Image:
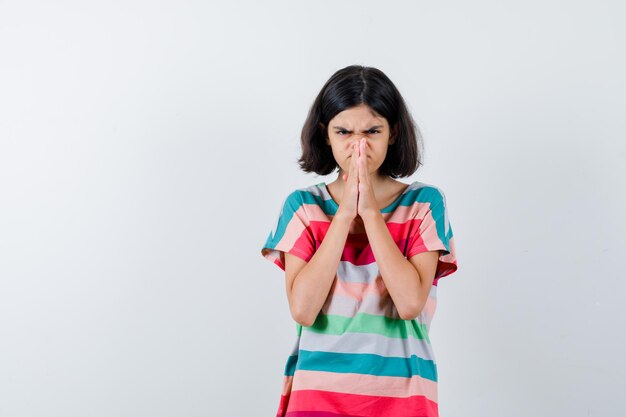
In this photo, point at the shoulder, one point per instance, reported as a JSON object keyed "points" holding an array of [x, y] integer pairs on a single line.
{"points": [[310, 194], [421, 192]]}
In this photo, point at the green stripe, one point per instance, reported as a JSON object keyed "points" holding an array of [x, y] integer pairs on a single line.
{"points": [[368, 323]]}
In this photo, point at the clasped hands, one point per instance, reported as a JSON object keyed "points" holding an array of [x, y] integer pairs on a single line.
{"points": [[358, 196]]}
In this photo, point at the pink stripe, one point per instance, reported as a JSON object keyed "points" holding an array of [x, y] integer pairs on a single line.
{"points": [[400, 215], [361, 405], [362, 384]]}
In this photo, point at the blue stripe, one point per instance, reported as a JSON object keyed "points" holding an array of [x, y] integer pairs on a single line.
{"points": [[362, 363]]}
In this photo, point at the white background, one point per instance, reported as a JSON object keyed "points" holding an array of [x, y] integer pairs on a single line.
{"points": [[145, 148]]}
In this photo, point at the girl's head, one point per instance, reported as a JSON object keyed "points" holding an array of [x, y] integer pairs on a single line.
{"points": [[360, 102]]}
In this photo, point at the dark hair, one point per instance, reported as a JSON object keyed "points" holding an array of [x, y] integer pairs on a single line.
{"points": [[349, 87]]}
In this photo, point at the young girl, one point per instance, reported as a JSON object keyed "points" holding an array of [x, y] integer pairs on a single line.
{"points": [[362, 256]]}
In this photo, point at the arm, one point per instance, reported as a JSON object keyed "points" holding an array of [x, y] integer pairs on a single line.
{"points": [[308, 283], [408, 281]]}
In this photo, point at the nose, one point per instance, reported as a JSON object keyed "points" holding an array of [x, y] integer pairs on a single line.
{"points": [[357, 139]]}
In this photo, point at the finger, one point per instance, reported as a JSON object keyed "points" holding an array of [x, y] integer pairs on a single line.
{"points": [[362, 166], [364, 153], [363, 149], [354, 170]]}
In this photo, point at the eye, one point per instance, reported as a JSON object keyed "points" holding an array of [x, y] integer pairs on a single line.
{"points": [[343, 132]]}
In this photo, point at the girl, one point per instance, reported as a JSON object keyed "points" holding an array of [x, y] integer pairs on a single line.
{"points": [[362, 256]]}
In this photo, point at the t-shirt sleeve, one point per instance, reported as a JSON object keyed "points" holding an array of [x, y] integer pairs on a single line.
{"points": [[291, 233], [431, 230]]}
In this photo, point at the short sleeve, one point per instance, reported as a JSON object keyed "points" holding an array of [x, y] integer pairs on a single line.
{"points": [[291, 233], [431, 230]]}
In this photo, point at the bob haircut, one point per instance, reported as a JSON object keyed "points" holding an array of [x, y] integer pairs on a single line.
{"points": [[349, 87]]}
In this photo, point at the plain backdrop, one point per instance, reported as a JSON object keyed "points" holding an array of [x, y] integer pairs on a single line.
{"points": [[145, 148]]}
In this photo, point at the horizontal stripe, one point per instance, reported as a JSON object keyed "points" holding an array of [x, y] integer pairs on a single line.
{"points": [[365, 363], [347, 305], [415, 191], [345, 299], [367, 323], [314, 414], [411, 236], [318, 214], [365, 343], [424, 196], [360, 274], [383, 386], [361, 405]]}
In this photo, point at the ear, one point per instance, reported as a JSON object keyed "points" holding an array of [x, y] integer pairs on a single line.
{"points": [[392, 136]]}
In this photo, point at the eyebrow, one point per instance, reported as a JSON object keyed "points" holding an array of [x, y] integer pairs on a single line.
{"points": [[373, 127]]}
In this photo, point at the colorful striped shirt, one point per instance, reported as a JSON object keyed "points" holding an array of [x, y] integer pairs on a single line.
{"points": [[359, 358]]}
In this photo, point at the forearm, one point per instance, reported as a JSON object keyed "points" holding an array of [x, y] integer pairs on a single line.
{"points": [[313, 282], [399, 275]]}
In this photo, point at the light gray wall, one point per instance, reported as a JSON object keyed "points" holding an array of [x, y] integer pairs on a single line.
{"points": [[145, 148]]}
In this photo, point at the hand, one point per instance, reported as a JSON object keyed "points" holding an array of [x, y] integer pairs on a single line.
{"points": [[349, 199], [367, 201]]}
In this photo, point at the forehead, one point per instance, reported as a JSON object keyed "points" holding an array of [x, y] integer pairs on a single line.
{"points": [[358, 115]]}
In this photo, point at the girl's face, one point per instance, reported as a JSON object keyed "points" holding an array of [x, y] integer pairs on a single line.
{"points": [[349, 127]]}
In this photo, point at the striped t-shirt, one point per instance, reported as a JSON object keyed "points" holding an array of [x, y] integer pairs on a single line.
{"points": [[359, 358]]}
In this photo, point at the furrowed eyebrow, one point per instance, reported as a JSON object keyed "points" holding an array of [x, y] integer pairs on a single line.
{"points": [[373, 127]]}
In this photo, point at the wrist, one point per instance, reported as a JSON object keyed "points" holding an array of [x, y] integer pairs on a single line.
{"points": [[369, 215], [343, 216]]}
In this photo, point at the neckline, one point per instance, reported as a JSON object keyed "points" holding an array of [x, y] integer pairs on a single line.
{"points": [[382, 210]]}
